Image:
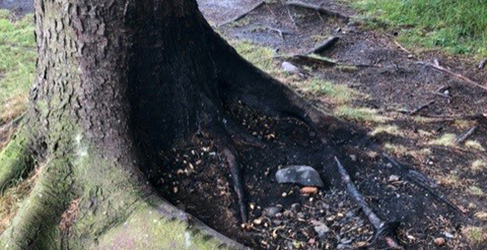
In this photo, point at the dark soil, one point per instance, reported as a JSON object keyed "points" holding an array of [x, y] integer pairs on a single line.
{"points": [[197, 179]]}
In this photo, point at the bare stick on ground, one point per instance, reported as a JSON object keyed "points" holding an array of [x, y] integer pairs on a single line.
{"points": [[382, 229], [327, 44], [318, 9], [421, 180], [482, 64], [459, 76], [281, 33], [258, 5], [418, 109], [466, 135]]}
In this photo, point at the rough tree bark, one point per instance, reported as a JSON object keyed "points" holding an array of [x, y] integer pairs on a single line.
{"points": [[117, 83]]}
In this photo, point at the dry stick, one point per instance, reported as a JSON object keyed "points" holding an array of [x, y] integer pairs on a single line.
{"points": [[467, 134], [413, 177], [482, 63], [401, 47], [444, 70], [418, 109], [280, 32], [327, 44], [291, 16], [318, 9], [258, 5], [382, 228]]}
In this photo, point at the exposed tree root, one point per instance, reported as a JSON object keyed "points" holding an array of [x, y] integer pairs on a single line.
{"points": [[258, 5], [15, 159], [35, 225], [422, 181], [383, 229], [318, 9]]}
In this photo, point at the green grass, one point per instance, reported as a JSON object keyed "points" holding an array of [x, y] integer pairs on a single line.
{"points": [[17, 63], [360, 114], [456, 26], [260, 56], [339, 93]]}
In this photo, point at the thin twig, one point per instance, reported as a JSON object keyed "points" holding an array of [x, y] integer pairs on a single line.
{"points": [[418, 109], [444, 70], [466, 135], [401, 47], [318, 9], [382, 228], [258, 5], [279, 31], [327, 44], [291, 17], [413, 177], [482, 63]]}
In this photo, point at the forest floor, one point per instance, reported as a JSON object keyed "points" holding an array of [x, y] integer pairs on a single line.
{"points": [[416, 112]]}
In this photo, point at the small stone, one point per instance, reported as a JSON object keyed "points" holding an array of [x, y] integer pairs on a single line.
{"points": [[309, 190], [440, 241], [320, 228], [273, 211], [449, 235], [290, 68], [175, 190], [277, 222], [303, 175], [252, 206], [393, 178], [296, 207], [258, 221], [284, 194], [353, 157]]}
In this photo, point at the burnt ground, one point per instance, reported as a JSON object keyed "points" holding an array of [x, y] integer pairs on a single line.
{"points": [[198, 181]]}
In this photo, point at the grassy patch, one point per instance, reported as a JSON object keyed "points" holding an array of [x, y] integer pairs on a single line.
{"points": [[17, 63], [456, 26], [260, 56], [387, 129], [478, 166], [360, 114], [447, 140], [476, 235], [340, 93], [476, 191], [474, 145]]}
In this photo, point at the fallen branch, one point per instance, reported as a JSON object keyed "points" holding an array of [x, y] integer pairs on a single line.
{"points": [[258, 5], [318, 9], [279, 31], [459, 76], [466, 135], [382, 229], [419, 179], [482, 63], [327, 44], [418, 109], [401, 47]]}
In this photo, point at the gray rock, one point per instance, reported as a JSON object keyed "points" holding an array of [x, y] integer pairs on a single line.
{"points": [[290, 68], [320, 228], [303, 175], [273, 211]]}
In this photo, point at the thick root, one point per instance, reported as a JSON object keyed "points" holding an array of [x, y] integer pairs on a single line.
{"points": [[36, 225], [15, 160], [158, 225]]}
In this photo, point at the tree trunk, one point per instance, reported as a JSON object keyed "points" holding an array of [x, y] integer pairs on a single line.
{"points": [[119, 82]]}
